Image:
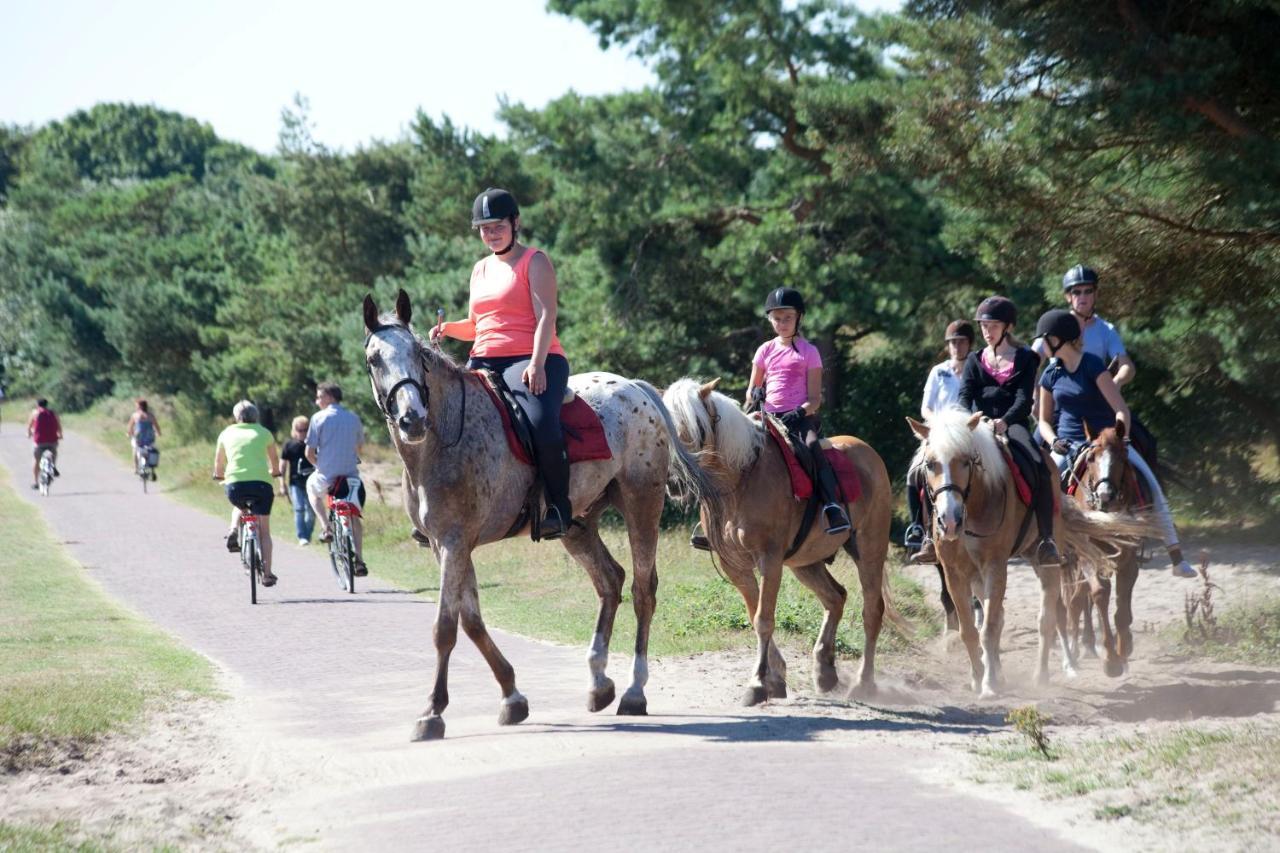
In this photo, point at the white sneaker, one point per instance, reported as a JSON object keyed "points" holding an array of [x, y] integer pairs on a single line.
{"points": [[303, 542], [1184, 570]]}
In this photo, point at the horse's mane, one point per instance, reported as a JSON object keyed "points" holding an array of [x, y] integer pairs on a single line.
{"points": [[436, 358], [737, 436], [950, 436]]}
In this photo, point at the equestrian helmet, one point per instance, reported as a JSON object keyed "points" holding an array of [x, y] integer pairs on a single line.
{"points": [[1060, 323], [493, 205], [1078, 275], [783, 297], [997, 308], [960, 330]]}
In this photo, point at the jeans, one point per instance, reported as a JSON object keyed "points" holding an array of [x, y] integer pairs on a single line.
{"points": [[304, 517], [1170, 533]]}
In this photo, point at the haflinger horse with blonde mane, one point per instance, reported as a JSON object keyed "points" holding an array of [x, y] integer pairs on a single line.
{"points": [[465, 488], [1104, 481], [755, 520], [980, 524]]}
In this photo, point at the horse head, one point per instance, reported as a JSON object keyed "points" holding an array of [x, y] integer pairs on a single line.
{"points": [[954, 456], [398, 367], [1106, 469]]}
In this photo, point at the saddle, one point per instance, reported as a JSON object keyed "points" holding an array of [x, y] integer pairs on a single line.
{"points": [[802, 473], [584, 441]]}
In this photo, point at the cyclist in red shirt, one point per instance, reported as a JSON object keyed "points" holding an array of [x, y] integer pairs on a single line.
{"points": [[44, 428]]}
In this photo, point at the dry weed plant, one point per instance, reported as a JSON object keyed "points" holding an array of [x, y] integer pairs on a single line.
{"points": [[1030, 723], [1198, 608]]}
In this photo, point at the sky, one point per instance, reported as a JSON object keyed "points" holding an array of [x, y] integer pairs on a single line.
{"points": [[366, 69]]}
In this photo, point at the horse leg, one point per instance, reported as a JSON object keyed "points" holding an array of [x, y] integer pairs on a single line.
{"points": [[992, 625], [585, 545], [765, 682], [948, 606], [832, 596], [1100, 597], [958, 584], [872, 579], [1086, 608], [1050, 603], [642, 532], [430, 726], [1126, 577]]}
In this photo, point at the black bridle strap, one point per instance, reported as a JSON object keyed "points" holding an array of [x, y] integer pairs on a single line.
{"points": [[385, 402]]}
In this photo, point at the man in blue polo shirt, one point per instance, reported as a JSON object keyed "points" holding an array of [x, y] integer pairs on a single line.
{"points": [[333, 446]]}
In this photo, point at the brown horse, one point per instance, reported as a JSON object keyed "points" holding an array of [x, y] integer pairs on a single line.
{"points": [[1106, 484], [464, 488], [980, 524], [756, 520]]}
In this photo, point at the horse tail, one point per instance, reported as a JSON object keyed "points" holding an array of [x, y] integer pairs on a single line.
{"points": [[685, 471], [1097, 538]]}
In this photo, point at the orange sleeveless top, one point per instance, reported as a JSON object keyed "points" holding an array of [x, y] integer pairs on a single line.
{"points": [[502, 309]]}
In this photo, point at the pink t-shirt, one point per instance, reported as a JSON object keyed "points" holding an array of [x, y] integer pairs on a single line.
{"points": [[502, 309], [1002, 375], [786, 372]]}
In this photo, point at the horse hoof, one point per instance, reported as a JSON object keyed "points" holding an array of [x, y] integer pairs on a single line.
{"points": [[826, 679], [1114, 668], [1068, 672], [514, 712], [863, 690], [776, 689], [987, 693], [1090, 651], [754, 696], [600, 698], [633, 704], [428, 728]]}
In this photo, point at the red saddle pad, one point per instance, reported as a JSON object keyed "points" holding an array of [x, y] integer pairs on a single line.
{"points": [[801, 485], [584, 438]]}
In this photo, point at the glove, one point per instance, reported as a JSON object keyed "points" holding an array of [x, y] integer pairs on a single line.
{"points": [[1062, 447], [792, 419]]}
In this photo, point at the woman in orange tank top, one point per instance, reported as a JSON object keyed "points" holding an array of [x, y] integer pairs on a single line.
{"points": [[512, 322]]}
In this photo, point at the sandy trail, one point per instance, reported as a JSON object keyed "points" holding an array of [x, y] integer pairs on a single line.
{"points": [[312, 747]]}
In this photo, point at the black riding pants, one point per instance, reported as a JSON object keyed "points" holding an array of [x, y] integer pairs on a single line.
{"points": [[543, 411], [1029, 461], [810, 432]]}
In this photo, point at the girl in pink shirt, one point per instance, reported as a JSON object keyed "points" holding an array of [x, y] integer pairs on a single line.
{"points": [[790, 370], [512, 322]]}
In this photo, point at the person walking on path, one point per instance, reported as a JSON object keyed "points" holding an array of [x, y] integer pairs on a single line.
{"points": [[293, 479], [334, 439], [45, 430]]}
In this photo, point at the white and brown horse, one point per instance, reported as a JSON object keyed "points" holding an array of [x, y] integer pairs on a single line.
{"points": [[980, 524], [464, 488], [756, 519]]}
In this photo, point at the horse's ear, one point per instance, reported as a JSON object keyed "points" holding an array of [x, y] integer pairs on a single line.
{"points": [[403, 310], [370, 314], [975, 420], [921, 430], [708, 387], [1119, 430], [1088, 433]]}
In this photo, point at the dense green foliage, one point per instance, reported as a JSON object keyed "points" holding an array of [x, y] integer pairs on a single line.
{"points": [[896, 169]]}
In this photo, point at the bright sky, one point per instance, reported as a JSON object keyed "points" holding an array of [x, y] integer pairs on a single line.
{"points": [[366, 68]]}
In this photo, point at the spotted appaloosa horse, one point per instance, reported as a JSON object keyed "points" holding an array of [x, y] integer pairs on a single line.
{"points": [[1106, 484], [978, 528], [753, 525], [464, 488]]}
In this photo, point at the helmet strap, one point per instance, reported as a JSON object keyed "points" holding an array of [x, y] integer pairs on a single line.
{"points": [[512, 242]]}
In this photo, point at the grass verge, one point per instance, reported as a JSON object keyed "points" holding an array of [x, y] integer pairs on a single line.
{"points": [[75, 664], [537, 589], [1246, 634], [1188, 780]]}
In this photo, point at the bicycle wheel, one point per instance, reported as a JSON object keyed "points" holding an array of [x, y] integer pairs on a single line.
{"points": [[142, 472], [349, 546], [255, 566], [337, 553]]}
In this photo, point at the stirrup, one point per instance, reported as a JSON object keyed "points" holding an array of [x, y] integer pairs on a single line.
{"points": [[1047, 553], [553, 529], [700, 542], [913, 539], [841, 522]]}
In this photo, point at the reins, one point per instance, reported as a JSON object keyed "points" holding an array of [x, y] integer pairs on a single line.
{"points": [[386, 401]]}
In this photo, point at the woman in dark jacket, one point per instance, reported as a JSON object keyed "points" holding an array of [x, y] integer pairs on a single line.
{"points": [[999, 381]]}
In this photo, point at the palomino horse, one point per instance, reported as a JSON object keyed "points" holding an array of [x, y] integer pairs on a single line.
{"points": [[979, 525], [464, 488], [1105, 484], [756, 519]]}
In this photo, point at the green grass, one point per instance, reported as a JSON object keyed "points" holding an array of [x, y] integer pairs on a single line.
{"points": [[75, 664], [537, 589], [60, 836], [1183, 778]]}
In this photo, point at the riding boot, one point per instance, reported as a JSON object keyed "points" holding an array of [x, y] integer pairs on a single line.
{"points": [[836, 517], [555, 476], [699, 540], [1047, 552]]}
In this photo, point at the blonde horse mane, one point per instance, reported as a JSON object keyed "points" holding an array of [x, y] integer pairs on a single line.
{"points": [[734, 437], [950, 437]]}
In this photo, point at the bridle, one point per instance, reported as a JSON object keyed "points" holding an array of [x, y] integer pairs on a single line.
{"points": [[933, 494], [1091, 485], [386, 402]]}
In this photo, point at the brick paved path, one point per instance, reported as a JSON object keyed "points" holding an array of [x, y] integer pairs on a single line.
{"points": [[333, 701]]}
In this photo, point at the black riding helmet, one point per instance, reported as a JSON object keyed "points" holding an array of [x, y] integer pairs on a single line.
{"points": [[959, 330], [998, 309], [1078, 275], [783, 297], [1059, 323], [493, 205]]}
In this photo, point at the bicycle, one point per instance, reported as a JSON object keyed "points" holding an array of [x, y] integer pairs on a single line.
{"points": [[46, 471], [342, 538], [250, 551], [145, 459]]}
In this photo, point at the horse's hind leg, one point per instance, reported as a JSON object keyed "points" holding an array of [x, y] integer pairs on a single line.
{"points": [[1050, 623], [832, 596], [948, 606], [607, 576], [1126, 577], [642, 514]]}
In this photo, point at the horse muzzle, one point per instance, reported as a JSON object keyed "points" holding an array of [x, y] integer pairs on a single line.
{"points": [[412, 428]]}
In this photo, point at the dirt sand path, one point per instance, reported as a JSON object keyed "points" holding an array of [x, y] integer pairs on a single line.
{"points": [[312, 747]]}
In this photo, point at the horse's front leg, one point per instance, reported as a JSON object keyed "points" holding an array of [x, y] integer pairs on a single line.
{"points": [[1126, 577], [1050, 601], [1100, 597], [960, 588], [766, 683], [430, 726], [993, 623]]}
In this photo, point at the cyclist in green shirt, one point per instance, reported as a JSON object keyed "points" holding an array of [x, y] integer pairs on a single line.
{"points": [[246, 461]]}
